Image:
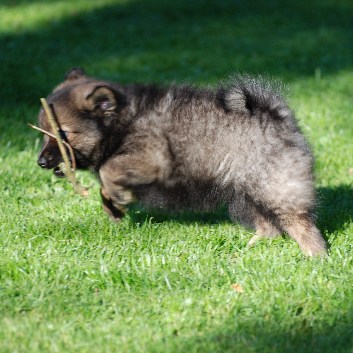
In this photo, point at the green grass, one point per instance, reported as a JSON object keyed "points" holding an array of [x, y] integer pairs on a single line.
{"points": [[71, 281]]}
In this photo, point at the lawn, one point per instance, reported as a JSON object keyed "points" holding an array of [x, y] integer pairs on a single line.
{"points": [[72, 281]]}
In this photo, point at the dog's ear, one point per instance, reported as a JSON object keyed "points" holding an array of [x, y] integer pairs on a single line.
{"points": [[74, 74], [102, 98]]}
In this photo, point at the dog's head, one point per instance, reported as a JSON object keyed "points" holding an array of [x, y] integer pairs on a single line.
{"points": [[87, 112]]}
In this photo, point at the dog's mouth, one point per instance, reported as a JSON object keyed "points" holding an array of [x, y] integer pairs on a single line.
{"points": [[58, 172]]}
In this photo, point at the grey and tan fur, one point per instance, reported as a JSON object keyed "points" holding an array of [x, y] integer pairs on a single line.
{"points": [[182, 147]]}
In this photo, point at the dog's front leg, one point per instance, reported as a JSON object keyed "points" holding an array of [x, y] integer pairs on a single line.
{"points": [[119, 176], [115, 206]]}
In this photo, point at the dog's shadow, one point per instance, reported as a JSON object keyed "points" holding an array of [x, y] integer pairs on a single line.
{"points": [[334, 211], [139, 214], [335, 208]]}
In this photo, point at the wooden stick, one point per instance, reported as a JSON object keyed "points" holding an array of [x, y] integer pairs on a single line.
{"points": [[65, 167], [56, 131]]}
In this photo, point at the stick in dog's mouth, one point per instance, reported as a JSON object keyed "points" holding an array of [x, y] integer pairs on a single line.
{"points": [[71, 151], [68, 167]]}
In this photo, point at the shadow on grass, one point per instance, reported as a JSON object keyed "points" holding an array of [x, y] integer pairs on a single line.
{"points": [[201, 41], [140, 215], [16, 3], [266, 336], [336, 207]]}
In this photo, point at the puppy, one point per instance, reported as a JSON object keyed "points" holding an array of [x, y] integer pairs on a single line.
{"points": [[182, 147]]}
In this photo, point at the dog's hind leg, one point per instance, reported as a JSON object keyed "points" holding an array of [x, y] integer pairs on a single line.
{"points": [[264, 229], [243, 209], [290, 210], [301, 228]]}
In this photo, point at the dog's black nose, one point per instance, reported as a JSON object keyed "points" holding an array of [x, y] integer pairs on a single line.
{"points": [[42, 162]]}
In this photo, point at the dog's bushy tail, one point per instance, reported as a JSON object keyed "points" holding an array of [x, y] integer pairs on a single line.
{"points": [[256, 95]]}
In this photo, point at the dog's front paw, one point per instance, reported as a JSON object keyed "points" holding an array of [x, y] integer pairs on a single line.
{"points": [[115, 205], [115, 211]]}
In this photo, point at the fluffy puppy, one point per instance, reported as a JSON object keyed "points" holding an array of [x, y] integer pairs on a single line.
{"points": [[181, 147]]}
